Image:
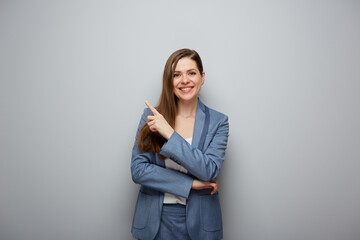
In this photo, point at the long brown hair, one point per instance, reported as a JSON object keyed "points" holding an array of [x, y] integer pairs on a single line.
{"points": [[153, 141]]}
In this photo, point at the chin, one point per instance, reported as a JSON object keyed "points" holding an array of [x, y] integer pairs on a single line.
{"points": [[186, 99]]}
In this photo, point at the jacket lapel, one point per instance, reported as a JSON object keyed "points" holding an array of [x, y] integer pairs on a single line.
{"points": [[198, 130], [199, 124]]}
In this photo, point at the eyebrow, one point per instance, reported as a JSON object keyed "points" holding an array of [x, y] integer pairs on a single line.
{"points": [[192, 69]]}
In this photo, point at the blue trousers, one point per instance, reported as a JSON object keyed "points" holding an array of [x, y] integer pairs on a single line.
{"points": [[173, 223]]}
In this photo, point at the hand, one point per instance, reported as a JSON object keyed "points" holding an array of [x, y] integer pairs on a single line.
{"points": [[199, 185], [157, 123]]}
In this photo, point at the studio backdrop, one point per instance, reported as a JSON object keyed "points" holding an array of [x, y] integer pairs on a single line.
{"points": [[74, 76]]}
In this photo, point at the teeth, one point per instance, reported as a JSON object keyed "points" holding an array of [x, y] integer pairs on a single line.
{"points": [[185, 89]]}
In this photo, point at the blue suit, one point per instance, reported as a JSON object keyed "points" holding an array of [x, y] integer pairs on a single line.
{"points": [[202, 159]]}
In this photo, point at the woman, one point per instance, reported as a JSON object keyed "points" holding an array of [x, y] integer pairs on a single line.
{"points": [[177, 155]]}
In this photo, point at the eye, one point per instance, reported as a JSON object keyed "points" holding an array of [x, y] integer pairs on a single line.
{"points": [[176, 75], [192, 73]]}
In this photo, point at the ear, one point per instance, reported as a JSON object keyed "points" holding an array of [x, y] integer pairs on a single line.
{"points": [[202, 78]]}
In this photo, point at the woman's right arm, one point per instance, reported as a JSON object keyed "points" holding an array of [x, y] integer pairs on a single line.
{"points": [[154, 176], [162, 179]]}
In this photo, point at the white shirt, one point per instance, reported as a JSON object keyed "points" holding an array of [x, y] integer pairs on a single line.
{"points": [[170, 164]]}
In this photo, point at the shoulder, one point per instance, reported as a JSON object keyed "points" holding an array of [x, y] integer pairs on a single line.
{"points": [[143, 118], [218, 124], [214, 114], [146, 113], [218, 115], [218, 121]]}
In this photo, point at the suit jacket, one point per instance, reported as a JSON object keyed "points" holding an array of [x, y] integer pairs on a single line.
{"points": [[202, 159]]}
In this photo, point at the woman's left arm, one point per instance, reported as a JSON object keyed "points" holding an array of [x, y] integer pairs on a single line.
{"points": [[203, 165]]}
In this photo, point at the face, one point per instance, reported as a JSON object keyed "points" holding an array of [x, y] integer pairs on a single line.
{"points": [[187, 80]]}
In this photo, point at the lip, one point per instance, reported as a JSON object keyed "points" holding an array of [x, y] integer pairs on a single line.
{"points": [[186, 89]]}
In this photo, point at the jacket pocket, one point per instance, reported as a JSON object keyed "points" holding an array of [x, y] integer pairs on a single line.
{"points": [[210, 213], [142, 210]]}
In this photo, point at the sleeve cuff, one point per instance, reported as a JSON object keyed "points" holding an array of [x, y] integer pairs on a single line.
{"points": [[170, 147], [187, 186]]}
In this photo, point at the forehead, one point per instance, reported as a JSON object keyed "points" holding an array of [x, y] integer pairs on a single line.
{"points": [[185, 64]]}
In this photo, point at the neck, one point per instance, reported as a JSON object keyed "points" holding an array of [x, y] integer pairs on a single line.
{"points": [[187, 109]]}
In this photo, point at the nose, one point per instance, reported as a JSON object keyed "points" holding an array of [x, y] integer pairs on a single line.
{"points": [[184, 79]]}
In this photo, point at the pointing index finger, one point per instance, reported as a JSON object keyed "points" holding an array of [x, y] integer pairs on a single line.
{"points": [[153, 110]]}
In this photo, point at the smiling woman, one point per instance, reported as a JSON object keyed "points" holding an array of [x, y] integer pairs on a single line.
{"points": [[187, 80], [178, 152]]}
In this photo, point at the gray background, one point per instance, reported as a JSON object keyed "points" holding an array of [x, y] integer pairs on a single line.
{"points": [[74, 78]]}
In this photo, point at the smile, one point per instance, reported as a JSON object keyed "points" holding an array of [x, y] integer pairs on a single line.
{"points": [[186, 89]]}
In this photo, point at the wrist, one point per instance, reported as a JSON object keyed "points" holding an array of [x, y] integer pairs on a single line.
{"points": [[169, 133]]}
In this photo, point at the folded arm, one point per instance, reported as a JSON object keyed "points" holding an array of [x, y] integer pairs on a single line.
{"points": [[151, 175], [203, 165], [146, 173]]}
